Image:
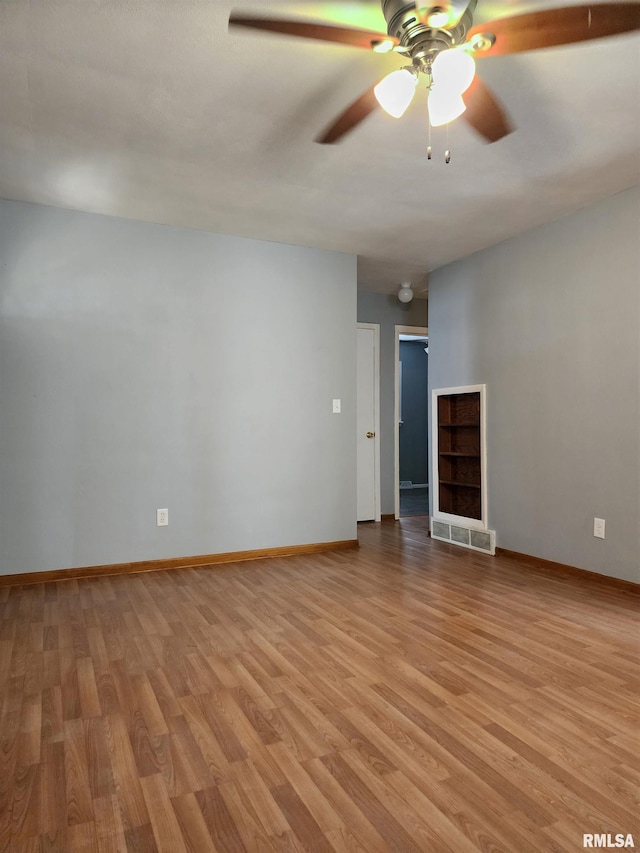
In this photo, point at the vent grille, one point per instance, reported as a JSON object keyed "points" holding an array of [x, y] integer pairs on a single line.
{"points": [[477, 540], [481, 540], [440, 530], [460, 535]]}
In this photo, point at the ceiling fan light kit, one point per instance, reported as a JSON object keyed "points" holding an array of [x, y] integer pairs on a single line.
{"points": [[442, 41], [395, 92], [444, 109], [453, 70], [452, 74]]}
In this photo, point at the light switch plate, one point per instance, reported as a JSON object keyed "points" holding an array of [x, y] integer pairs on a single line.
{"points": [[337, 407]]}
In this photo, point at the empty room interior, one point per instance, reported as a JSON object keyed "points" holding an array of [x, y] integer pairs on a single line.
{"points": [[235, 615]]}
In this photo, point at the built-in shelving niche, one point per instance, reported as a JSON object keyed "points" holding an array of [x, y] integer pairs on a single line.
{"points": [[459, 456]]}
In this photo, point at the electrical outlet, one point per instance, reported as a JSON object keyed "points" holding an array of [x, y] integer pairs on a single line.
{"points": [[598, 528], [162, 517]]}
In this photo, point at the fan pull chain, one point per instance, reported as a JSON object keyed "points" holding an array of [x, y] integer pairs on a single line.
{"points": [[447, 153], [428, 132]]}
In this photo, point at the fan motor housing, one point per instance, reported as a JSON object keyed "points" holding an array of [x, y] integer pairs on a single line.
{"points": [[423, 42]]}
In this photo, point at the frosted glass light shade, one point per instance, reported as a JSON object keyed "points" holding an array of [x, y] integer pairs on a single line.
{"points": [[453, 70], [444, 108], [405, 294], [395, 92]]}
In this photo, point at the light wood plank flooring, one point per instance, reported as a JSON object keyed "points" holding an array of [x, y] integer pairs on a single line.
{"points": [[409, 696]]}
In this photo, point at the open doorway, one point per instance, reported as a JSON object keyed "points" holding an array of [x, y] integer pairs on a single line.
{"points": [[411, 422]]}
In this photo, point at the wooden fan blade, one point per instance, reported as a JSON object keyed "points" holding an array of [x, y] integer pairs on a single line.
{"points": [[484, 112], [557, 26], [350, 118], [368, 39], [431, 14]]}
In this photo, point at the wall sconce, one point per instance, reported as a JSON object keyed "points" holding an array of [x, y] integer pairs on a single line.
{"points": [[405, 294]]}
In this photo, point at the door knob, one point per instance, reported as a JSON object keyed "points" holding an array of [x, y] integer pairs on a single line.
{"points": [[371, 435]]}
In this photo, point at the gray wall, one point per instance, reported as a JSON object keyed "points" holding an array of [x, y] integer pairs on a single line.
{"points": [[388, 312], [414, 431], [143, 366], [550, 321]]}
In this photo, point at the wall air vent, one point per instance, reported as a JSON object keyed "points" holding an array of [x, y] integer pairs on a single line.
{"points": [[460, 535], [440, 530], [476, 540], [481, 540]]}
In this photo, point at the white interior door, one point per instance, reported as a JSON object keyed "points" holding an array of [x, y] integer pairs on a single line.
{"points": [[368, 423]]}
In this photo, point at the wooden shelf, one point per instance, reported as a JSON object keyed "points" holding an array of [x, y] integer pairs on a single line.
{"points": [[459, 453]]}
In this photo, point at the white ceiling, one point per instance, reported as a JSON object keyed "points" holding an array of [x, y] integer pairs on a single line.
{"points": [[152, 110]]}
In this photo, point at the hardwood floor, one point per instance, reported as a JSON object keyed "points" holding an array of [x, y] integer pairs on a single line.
{"points": [[409, 696]]}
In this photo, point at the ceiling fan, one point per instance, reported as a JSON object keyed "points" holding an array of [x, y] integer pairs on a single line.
{"points": [[442, 43]]}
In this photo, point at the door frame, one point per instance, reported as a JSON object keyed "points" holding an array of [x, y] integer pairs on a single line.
{"points": [[375, 327], [418, 331]]}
